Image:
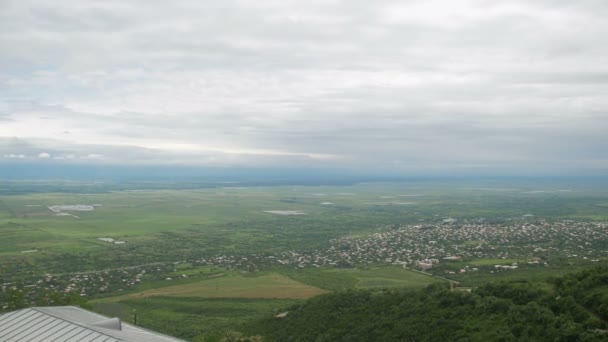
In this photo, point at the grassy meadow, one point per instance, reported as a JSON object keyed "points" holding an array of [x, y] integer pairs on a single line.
{"points": [[340, 279], [234, 218], [168, 226], [210, 307], [209, 319], [233, 286]]}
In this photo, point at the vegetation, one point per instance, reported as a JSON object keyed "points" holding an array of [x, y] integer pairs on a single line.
{"points": [[162, 225], [233, 286], [207, 262], [16, 298], [503, 311], [340, 279], [220, 306], [194, 318]]}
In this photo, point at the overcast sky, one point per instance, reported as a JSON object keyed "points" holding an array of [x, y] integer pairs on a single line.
{"points": [[412, 86]]}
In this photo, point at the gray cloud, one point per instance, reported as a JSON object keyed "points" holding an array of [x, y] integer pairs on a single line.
{"points": [[398, 85]]}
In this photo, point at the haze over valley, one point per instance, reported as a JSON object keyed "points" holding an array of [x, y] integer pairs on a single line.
{"points": [[304, 171]]}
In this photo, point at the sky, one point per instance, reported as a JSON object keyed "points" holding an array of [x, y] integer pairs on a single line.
{"points": [[408, 86]]}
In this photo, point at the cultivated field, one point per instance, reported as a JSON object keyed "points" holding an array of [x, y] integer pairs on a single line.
{"points": [[189, 317], [241, 247], [227, 301], [238, 218], [233, 286], [340, 279]]}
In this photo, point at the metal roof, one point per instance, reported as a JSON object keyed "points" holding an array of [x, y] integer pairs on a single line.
{"points": [[71, 324]]}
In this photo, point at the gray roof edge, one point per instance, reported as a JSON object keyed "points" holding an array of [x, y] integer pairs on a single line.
{"points": [[153, 332], [65, 320], [92, 327]]}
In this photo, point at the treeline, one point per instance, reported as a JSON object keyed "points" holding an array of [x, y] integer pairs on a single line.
{"points": [[17, 297], [571, 308], [589, 288]]}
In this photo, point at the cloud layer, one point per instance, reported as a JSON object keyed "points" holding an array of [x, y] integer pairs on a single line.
{"points": [[399, 85]]}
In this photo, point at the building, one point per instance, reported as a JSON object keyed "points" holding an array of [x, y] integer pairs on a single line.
{"points": [[70, 323]]}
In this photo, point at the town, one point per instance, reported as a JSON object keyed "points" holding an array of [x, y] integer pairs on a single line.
{"points": [[423, 247]]}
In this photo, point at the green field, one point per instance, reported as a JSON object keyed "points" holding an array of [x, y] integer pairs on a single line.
{"points": [[233, 219], [167, 231], [211, 307], [232, 286], [340, 279], [222, 219], [188, 318]]}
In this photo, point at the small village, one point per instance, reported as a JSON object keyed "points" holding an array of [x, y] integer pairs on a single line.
{"points": [[449, 243], [422, 246]]}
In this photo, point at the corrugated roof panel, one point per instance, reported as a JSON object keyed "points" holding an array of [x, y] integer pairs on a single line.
{"points": [[16, 325], [68, 323], [138, 336], [31, 328], [50, 332], [63, 332], [60, 330], [8, 316], [15, 316], [68, 335], [104, 338], [84, 336], [72, 314]]}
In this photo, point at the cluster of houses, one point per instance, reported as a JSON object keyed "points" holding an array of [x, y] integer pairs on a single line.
{"points": [[422, 246], [427, 264], [513, 266], [87, 284]]}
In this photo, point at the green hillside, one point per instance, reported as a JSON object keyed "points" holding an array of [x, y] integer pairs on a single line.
{"points": [[569, 308]]}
